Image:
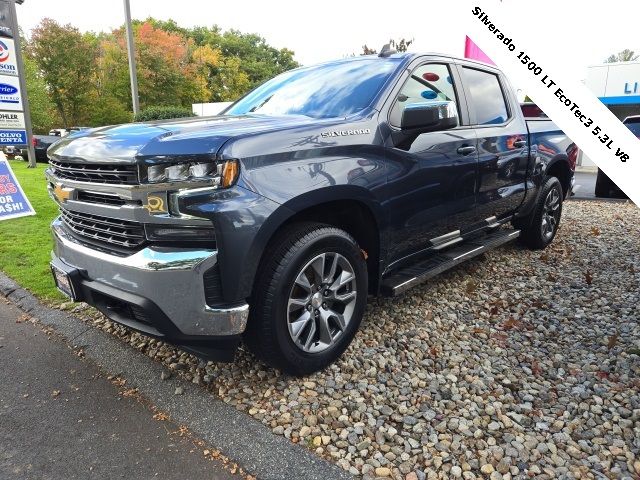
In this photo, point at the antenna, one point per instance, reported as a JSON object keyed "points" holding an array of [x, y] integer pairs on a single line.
{"points": [[387, 51]]}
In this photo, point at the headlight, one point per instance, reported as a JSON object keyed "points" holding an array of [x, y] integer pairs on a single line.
{"points": [[220, 173]]}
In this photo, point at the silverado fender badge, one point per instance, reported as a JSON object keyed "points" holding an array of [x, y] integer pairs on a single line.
{"points": [[155, 204], [344, 133], [62, 193]]}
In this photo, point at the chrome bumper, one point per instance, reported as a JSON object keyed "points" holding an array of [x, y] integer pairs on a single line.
{"points": [[171, 278]]}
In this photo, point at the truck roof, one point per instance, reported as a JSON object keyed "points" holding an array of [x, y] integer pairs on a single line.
{"points": [[404, 57]]}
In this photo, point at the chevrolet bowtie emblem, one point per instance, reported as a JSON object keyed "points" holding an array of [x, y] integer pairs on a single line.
{"points": [[155, 204], [62, 193]]}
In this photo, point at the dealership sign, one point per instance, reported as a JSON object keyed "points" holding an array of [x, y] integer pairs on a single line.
{"points": [[10, 94], [15, 121], [8, 64], [13, 137], [11, 120], [13, 201]]}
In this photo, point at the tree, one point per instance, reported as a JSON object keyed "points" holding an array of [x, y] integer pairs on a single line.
{"points": [[167, 73], [245, 54], [401, 45], [66, 62], [83, 79], [43, 112], [625, 55]]}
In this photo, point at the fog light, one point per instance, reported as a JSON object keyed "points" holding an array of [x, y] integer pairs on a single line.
{"points": [[160, 233]]}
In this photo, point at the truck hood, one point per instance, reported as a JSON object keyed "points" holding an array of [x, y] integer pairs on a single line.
{"points": [[167, 140]]}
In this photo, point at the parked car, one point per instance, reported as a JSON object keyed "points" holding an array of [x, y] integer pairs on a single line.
{"points": [[605, 187], [11, 151], [63, 132], [273, 222], [40, 144]]}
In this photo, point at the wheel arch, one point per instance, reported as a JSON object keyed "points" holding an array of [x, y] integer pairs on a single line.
{"points": [[559, 167], [349, 208]]}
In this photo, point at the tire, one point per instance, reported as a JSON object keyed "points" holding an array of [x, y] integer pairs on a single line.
{"points": [[292, 325], [539, 228], [603, 185]]}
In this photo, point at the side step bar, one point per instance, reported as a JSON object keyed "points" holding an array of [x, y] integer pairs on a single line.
{"points": [[404, 279]]}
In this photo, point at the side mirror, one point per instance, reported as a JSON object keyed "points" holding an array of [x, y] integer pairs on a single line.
{"points": [[429, 117]]}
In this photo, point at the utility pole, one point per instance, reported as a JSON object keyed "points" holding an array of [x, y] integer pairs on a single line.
{"points": [[131, 50], [23, 82]]}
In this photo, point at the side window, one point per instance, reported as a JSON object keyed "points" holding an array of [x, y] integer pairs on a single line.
{"points": [[428, 83], [486, 96]]}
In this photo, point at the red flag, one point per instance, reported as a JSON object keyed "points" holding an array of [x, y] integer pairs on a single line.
{"points": [[472, 51]]}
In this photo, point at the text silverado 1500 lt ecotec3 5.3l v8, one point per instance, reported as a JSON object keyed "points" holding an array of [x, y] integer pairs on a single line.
{"points": [[273, 222]]}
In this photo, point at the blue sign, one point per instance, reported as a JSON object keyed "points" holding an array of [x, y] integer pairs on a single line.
{"points": [[13, 201], [13, 137], [631, 88]]}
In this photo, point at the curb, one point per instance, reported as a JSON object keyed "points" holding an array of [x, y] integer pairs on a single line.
{"points": [[235, 434]]}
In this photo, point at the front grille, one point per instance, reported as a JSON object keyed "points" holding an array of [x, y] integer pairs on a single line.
{"points": [[101, 198], [96, 173], [109, 232]]}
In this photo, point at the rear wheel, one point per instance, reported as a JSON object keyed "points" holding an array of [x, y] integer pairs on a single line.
{"points": [[603, 185], [308, 300], [539, 228]]}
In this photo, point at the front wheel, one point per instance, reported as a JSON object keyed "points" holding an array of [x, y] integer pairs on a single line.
{"points": [[539, 228], [308, 300]]}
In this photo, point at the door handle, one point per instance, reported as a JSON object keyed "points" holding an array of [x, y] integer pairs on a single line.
{"points": [[466, 150], [520, 143]]}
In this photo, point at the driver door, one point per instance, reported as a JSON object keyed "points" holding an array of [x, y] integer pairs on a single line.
{"points": [[432, 180]]}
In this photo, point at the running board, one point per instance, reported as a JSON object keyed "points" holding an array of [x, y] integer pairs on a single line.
{"points": [[404, 279]]}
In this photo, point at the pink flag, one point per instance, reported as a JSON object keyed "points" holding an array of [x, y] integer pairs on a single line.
{"points": [[472, 51]]}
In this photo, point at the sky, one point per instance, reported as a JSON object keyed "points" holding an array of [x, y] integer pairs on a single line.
{"points": [[319, 31]]}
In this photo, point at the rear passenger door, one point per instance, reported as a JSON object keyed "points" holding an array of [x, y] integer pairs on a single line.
{"points": [[502, 134]]}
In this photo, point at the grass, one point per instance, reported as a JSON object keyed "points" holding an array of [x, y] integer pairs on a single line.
{"points": [[25, 243]]}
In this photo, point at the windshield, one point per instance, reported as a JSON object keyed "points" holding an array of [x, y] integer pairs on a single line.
{"points": [[634, 125], [329, 90]]}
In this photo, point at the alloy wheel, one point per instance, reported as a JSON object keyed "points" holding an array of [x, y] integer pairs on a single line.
{"points": [[550, 214], [321, 302]]}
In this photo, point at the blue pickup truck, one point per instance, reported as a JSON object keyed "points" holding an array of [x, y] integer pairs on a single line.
{"points": [[273, 222]]}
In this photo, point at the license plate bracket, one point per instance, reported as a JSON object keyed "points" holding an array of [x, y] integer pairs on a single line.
{"points": [[64, 282]]}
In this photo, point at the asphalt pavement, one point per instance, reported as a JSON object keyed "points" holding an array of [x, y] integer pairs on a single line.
{"points": [[62, 418], [585, 185]]}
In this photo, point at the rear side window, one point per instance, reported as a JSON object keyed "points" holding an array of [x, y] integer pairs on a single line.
{"points": [[486, 96]]}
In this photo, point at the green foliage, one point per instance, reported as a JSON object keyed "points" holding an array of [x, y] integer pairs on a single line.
{"points": [[26, 242], [162, 112], [107, 110], [43, 112], [625, 55], [256, 59], [83, 79], [66, 61]]}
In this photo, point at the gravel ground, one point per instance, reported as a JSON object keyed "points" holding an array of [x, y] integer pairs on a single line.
{"points": [[519, 364]]}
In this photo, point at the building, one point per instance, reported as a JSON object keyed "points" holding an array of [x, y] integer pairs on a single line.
{"points": [[617, 85], [209, 109]]}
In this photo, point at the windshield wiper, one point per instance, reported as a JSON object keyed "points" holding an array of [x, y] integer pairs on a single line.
{"points": [[260, 105]]}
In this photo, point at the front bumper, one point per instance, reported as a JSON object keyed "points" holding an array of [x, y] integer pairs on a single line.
{"points": [[157, 290]]}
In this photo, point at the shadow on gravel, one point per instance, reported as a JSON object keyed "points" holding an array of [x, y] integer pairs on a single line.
{"points": [[517, 362]]}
